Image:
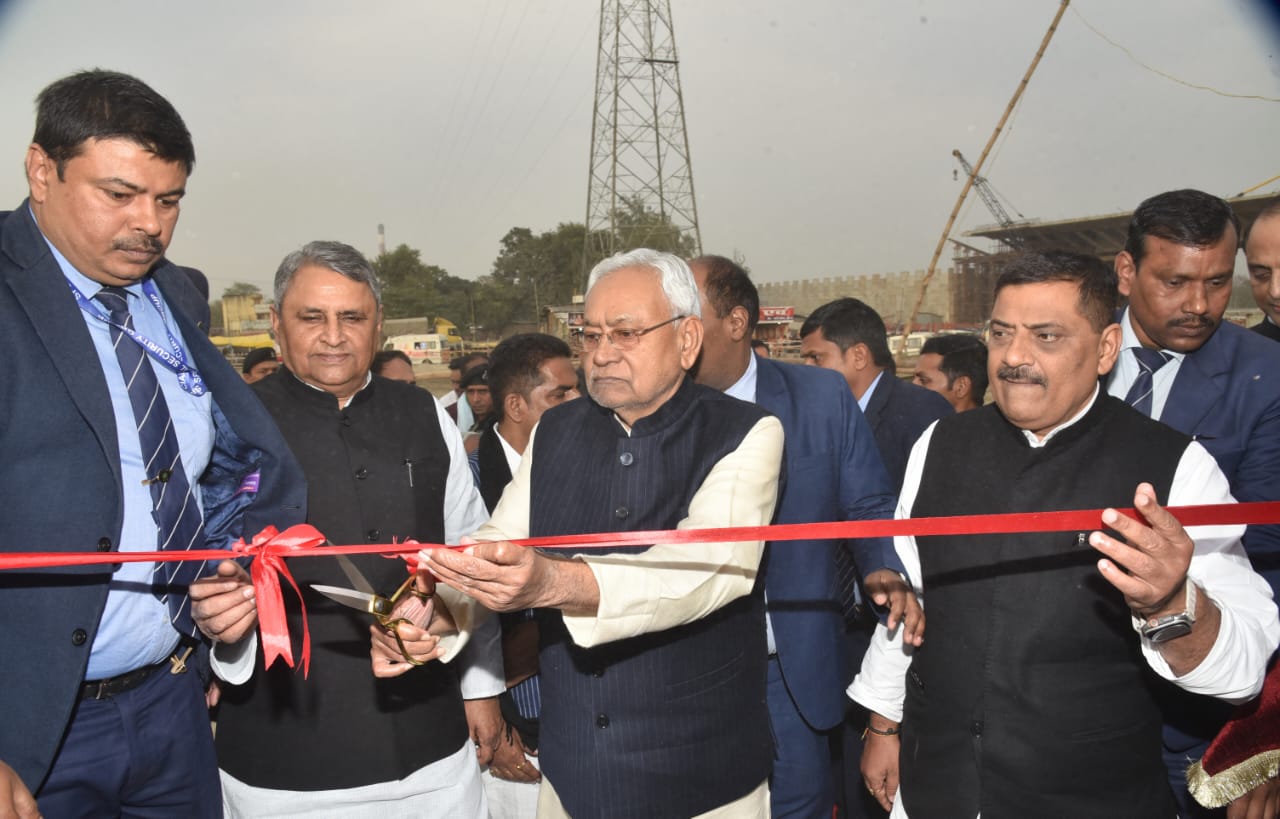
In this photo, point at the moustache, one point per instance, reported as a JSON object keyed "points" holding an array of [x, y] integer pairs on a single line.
{"points": [[146, 244], [1194, 323], [1020, 375]]}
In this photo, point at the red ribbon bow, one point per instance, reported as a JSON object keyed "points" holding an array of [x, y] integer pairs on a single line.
{"points": [[269, 548]]}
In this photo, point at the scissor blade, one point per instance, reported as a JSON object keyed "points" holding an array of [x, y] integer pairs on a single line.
{"points": [[348, 597], [353, 574]]}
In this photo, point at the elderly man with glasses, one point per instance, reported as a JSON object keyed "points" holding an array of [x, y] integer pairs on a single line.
{"points": [[653, 656]]}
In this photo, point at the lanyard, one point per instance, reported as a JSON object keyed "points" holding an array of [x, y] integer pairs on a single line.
{"points": [[175, 360]]}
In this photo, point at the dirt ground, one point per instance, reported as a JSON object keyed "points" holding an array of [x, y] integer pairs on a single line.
{"points": [[433, 378]]}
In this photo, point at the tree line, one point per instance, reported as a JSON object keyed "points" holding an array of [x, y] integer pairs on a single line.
{"points": [[531, 272]]}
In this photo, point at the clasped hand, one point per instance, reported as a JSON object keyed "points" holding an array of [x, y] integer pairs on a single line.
{"points": [[421, 642]]}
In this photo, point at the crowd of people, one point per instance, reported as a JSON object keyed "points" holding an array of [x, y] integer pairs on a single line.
{"points": [[1068, 673]]}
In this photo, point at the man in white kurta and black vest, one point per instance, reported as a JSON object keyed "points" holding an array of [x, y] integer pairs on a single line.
{"points": [[383, 463], [653, 658], [1028, 696]]}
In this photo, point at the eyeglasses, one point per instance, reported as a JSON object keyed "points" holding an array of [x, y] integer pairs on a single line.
{"points": [[622, 338]]}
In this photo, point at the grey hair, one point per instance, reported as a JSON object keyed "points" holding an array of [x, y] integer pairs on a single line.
{"points": [[336, 256], [678, 283]]}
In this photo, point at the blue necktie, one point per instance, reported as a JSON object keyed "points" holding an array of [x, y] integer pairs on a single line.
{"points": [[179, 524], [1149, 361]]}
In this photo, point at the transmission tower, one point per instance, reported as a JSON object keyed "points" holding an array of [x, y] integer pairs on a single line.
{"points": [[640, 183]]}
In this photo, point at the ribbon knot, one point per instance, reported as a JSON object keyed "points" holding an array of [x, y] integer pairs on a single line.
{"points": [[268, 549]]}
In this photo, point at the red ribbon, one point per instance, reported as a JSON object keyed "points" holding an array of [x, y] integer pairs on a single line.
{"points": [[270, 547]]}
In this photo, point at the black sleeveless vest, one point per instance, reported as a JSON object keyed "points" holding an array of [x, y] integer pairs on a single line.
{"points": [[376, 472], [1028, 697], [667, 724]]}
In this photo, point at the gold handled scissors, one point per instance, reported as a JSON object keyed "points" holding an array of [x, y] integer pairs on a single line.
{"points": [[364, 598]]}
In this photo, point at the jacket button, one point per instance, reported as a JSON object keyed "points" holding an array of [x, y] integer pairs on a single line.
{"points": [[78, 637], [362, 473], [346, 420], [373, 535], [621, 513], [597, 672], [626, 459], [602, 721], [104, 544], [975, 728]]}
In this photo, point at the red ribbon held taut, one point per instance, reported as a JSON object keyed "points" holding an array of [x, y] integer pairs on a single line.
{"points": [[269, 548]]}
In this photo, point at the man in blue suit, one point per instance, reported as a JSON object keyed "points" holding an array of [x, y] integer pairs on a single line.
{"points": [[97, 719], [1211, 379], [848, 336], [833, 473]]}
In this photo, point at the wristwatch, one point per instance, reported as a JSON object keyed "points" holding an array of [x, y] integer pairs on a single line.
{"points": [[1171, 626]]}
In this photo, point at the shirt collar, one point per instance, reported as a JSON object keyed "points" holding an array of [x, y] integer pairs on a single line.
{"points": [[368, 377], [866, 396], [513, 457], [744, 388], [1129, 337], [1036, 442]]}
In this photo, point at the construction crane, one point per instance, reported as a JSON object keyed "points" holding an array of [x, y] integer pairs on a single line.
{"points": [[988, 195]]}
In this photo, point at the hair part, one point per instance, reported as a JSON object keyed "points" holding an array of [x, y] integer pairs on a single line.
{"points": [[848, 322], [1186, 217], [100, 104], [515, 365], [1099, 295], [341, 258], [728, 285], [677, 281]]}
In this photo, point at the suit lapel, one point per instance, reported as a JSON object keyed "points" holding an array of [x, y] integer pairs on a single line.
{"points": [[880, 399], [1199, 385], [771, 391], [42, 291]]}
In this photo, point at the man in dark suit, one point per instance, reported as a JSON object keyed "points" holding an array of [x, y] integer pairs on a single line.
{"points": [[848, 336], [833, 473], [98, 720], [1262, 253], [1210, 379]]}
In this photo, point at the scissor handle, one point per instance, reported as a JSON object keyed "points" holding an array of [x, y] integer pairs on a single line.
{"points": [[407, 586], [393, 628]]}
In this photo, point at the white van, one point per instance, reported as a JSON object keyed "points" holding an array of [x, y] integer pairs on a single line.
{"points": [[431, 348]]}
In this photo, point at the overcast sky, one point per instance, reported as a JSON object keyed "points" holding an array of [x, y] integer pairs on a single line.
{"points": [[821, 131]]}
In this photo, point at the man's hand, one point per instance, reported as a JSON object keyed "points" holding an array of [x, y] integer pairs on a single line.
{"points": [[504, 577], [16, 802], [1263, 802], [423, 646], [484, 719], [1151, 572], [880, 761], [223, 606], [887, 589], [511, 760]]}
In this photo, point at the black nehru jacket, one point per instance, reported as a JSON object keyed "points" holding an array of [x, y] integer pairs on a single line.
{"points": [[376, 472], [672, 723], [1029, 696], [495, 472]]}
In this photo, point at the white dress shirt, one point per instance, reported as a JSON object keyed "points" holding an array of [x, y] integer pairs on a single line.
{"points": [[1247, 635]]}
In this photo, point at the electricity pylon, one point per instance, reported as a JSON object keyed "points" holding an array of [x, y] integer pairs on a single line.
{"points": [[640, 182]]}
